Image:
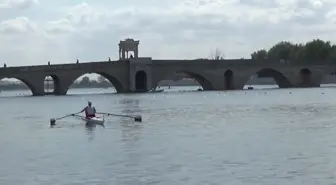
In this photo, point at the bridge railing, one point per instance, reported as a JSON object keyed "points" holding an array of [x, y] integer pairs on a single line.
{"points": [[246, 62], [52, 67]]}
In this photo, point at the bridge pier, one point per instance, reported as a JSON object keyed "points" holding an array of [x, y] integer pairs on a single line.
{"points": [[309, 78], [34, 82], [304, 78], [62, 82], [140, 75]]}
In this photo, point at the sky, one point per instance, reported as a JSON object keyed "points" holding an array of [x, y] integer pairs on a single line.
{"points": [[34, 32]]}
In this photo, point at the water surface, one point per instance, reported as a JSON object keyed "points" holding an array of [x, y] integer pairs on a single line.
{"points": [[238, 137]]}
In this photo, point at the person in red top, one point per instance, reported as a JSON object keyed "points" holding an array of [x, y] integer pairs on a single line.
{"points": [[90, 111]]}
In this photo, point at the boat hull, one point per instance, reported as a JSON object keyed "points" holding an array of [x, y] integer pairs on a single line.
{"points": [[95, 120], [156, 91]]}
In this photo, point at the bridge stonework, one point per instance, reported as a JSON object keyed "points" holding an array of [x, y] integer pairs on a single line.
{"points": [[144, 74]]}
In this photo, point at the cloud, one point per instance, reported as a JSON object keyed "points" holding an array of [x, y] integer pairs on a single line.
{"points": [[19, 25], [18, 4], [59, 26], [178, 29]]}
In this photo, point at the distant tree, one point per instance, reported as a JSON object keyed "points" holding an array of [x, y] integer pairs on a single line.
{"points": [[332, 52], [217, 55], [316, 50], [281, 51], [85, 80], [101, 79], [313, 51], [261, 54]]}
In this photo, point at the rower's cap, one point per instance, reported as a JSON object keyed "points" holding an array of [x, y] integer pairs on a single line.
{"points": [[89, 102]]}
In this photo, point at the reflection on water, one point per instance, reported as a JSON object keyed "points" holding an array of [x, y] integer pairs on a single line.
{"points": [[130, 106], [130, 130], [90, 129]]}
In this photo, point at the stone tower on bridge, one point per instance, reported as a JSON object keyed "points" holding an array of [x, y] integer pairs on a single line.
{"points": [[126, 46], [139, 72]]}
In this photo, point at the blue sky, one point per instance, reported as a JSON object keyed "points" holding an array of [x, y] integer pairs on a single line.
{"points": [[36, 31]]}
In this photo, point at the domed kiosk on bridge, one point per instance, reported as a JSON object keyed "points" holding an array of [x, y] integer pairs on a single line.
{"points": [[126, 46]]}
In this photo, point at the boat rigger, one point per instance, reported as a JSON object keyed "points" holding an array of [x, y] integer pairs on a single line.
{"points": [[91, 118]]}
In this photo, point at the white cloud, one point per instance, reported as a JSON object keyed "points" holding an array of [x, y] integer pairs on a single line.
{"points": [[18, 25], [179, 29], [20, 4], [59, 26]]}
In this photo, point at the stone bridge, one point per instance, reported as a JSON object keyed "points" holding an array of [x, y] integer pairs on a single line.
{"points": [[144, 74]]}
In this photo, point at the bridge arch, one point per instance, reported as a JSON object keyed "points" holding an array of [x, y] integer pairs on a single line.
{"points": [[17, 84], [94, 80], [305, 77], [329, 76], [141, 81], [51, 84], [188, 77], [270, 77], [228, 80]]}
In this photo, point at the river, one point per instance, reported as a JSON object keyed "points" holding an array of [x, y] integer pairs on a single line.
{"points": [[265, 136]]}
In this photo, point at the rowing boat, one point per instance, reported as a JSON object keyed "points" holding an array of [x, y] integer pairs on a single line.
{"points": [[94, 120], [156, 91]]}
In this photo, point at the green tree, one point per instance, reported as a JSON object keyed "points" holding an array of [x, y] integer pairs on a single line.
{"points": [[282, 50], [260, 54], [101, 79], [85, 81], [332, 54], [315, 51]]}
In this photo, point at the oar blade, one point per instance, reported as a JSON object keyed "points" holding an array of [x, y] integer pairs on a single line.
{"points": [[138, 118], [52, 122]]}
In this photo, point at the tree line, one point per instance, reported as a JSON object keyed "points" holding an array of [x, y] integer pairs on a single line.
{"points": [[86, 82], [314, 51]]}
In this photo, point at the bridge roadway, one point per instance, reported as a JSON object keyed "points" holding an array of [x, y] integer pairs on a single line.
{"points": [[9, 71], [143, 74], [94, 64]]}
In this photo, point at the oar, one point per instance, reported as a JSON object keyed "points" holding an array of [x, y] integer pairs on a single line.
{"points": [[53, 120], [136, 118]]}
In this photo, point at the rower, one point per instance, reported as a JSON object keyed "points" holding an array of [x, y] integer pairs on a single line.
{"points": [[90, 111]]}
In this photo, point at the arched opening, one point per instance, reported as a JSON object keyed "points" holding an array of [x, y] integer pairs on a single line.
{"points": [[15, 87], [329, 80], [141, 81], [228, 80], [51, 84], [92, 83], [267, 79], [305, 78], [184, 81]]}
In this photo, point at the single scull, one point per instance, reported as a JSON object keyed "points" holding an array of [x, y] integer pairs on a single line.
{"points": [[94, 120]]}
